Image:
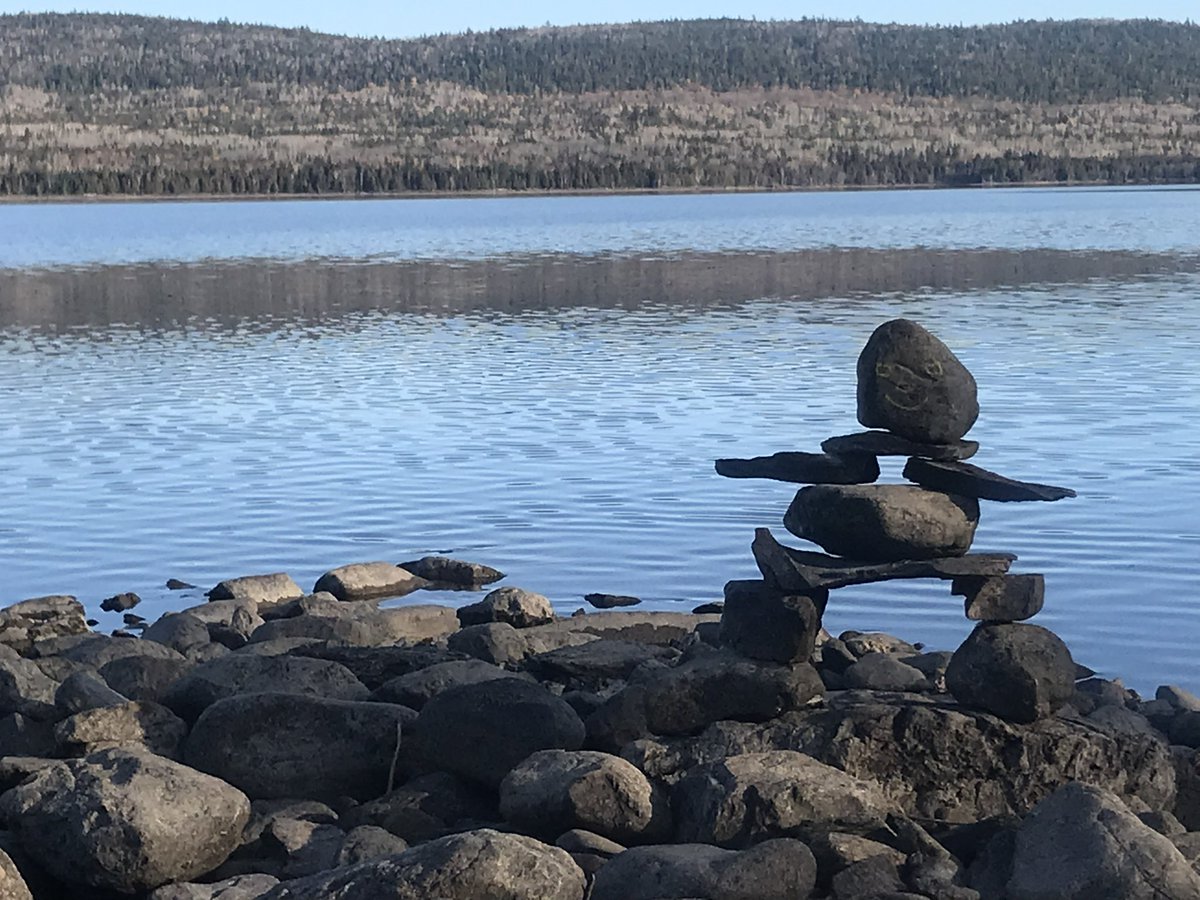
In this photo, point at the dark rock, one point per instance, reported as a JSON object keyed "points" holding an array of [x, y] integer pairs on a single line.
{"points": [[867, 878], [1018, 672], [124, 820], [135, 725], [430, 806], [781, 869], [968, 480], [762, 623], [837, 850], [470, 866], [481, 731], [716, 607], [368, 581], [120, 602], [1178, 697], [799, 571], [367, 843], [911, 384], [1185, 729], [15, 769], [1186, 764], [443, 570], [85, 690], [240, 887], [96, 650], [1001, 598], [516, 606], [598, 663], [174, 584], [142, 677], [884, 443], [752, 797], [493, 642], [302, 847], [804, 468], [22, 736], [610, 601], [290, 745], [1163, 822], [180, 632], [883, 522], [24, 624], [264, 589], [644, 627], [24, 687], [1082, 843], [375, 666], [881, 672], [236, 674], [860, 643], [416, 688], [365, 626], [553, 791], [579, 840]]}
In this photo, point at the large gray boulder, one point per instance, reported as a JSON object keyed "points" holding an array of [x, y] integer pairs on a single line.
{"points": [[516, 606], [481, 731], [1016, 671], [469, 866], [291, 745], [144, 725], [416, 688], [1083, 843], [24, 687], [910, 383], [365, 626], [40, 618], [883, 522], [753, 797], [259, 589], [143, 677], [125, 820], [554, 791], [368, 581], [781, 869]]}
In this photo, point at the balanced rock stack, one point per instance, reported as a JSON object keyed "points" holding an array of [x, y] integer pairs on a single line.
{"points": [[921, 401]]}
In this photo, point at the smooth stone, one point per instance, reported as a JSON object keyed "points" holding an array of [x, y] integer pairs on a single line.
{"points": [[179, 631], [801, 571], [148, 726], [365, 626], [518, 607], [126, 820], [368, 581], [470, 866], [804, 468], [260, 589], [761, 623], [883, 672], [120, 602], [481, 731], [25, 623], [143, 677], [375, 666], [429, 806], [444, 570], [97, 650], [174, 584], [579, 840], [912, 384], [875, 877], [751, 797], [415, 689], [85, 690], [781, 869], [885, 443], [24, 687], [553, 791], [240, 887], [1001, 598], [597, 663], [367, 843], [1019, 672], [972, 481], [610, 601], [883, 522]]}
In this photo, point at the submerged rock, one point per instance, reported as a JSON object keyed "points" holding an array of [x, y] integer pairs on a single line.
{"points": [[972, 481], [804, 468]]}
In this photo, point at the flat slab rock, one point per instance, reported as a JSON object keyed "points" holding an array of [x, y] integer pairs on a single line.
{"points": [[804, 468], [972, 481], [789, 569], [884, 443]]}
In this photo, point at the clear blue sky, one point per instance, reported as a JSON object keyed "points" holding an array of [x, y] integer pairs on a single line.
{"points": [[406, 19]]}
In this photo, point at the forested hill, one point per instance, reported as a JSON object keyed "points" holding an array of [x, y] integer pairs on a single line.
{"points": [[127, 104], [1052, 62]]}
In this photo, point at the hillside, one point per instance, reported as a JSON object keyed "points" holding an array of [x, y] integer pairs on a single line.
{"points": [[125, 104]]}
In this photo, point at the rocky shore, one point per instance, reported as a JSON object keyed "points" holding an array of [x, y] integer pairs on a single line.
{"points": [[281, 744]]}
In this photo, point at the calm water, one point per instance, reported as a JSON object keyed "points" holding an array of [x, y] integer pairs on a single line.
{"points": [[542, 385]]}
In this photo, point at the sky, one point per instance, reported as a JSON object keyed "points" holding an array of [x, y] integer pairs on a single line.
{"points": [[410, 19]]}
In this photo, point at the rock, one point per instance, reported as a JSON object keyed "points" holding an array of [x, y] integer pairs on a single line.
{"points": [[146, 725], [120, 602], [774, 870], [597, 663], [260, 589], [125, 820], [24, 687], [481, 731], [369, 581], [179, 631], [881, 672], [174, 584], [416, 688], [236, 675], [1120, 720], [883, 522], [22, 736], [873, 877], [643, 627], [837, 850], [753, 797], [553, 791], [1082, 843], [241, 887], [142, 677], [430, 806], [610, 601], [12, 884], [761, 623], [884, 443], [800, 571], [470, 866], [1001, 598], [1019, 672], [291, 745], [23, 624], [305, 847], [1179, 698], [85, 690], [367, 627], [375, 666], [862, 643], [804, 468], [518, 607], [714, 607], [493, 642], [97, 650], [911, 384], [578, 840], [967, 480], [1163, 822], [369, 842], [443, 570]]}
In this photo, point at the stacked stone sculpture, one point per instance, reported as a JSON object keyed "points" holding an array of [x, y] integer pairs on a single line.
{"points": [[920, 401]]}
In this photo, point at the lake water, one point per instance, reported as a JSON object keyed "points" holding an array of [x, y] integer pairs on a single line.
{"points": [[204, 390]]}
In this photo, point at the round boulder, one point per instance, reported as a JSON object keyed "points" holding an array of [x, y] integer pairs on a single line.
{"points": [[126, 820], [518, 607], [1018, 672]]}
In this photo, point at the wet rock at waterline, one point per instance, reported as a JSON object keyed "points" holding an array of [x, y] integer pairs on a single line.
{"points": [[41, 618], [973, 481], [610, 601], [804, 468], [1002, 598], [884, 443], [368, 581], [442, 570], [911, 384], [120, 602], [883, 522], [1016, 671], [518, 607], [260, 589]]}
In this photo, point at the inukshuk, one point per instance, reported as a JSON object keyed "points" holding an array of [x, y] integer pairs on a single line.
{"points": [[922, 401]]}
